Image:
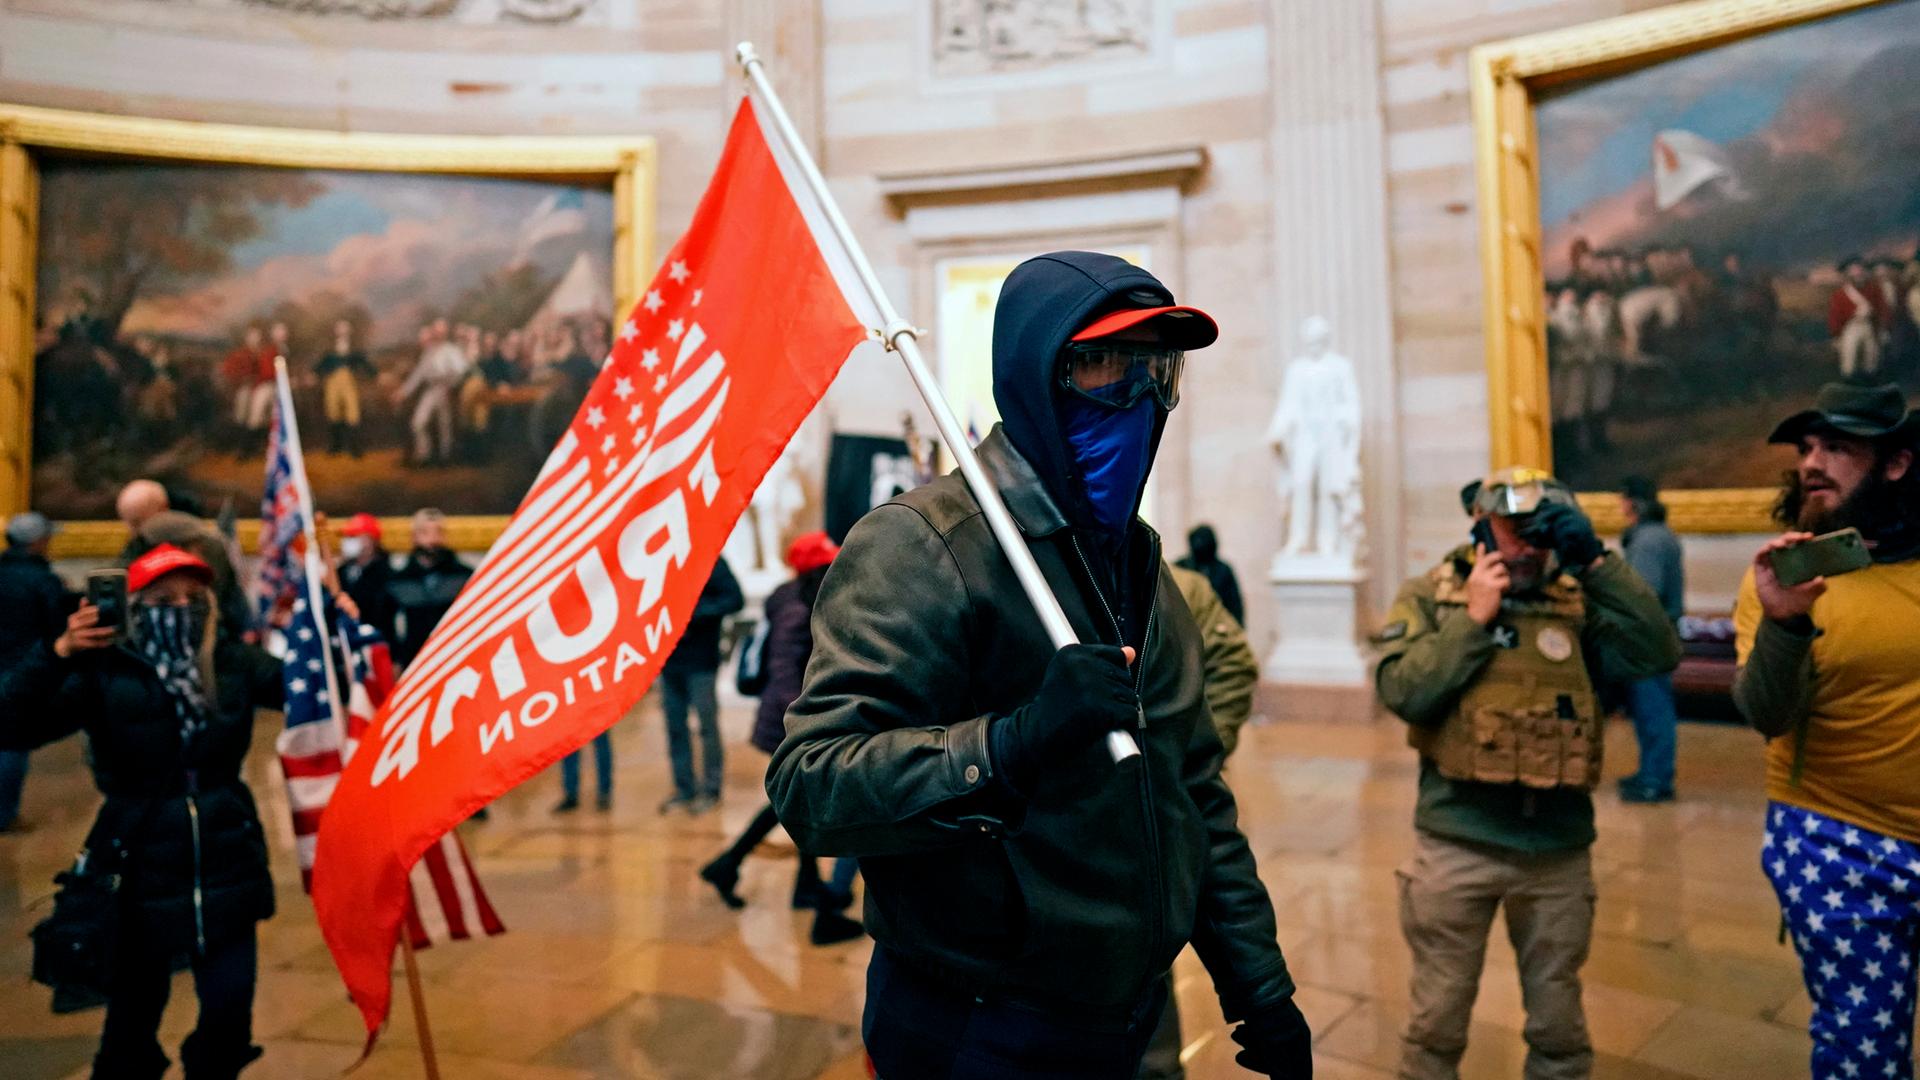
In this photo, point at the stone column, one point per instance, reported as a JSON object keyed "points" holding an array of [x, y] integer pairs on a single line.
{"points": [[1330, 225], [1330, 258], [787, 35]]}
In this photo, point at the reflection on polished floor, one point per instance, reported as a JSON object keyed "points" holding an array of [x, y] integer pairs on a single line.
{"points": [[619, 963]]}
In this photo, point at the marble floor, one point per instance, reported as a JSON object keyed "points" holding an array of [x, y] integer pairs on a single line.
{"points": [[619, 963]]}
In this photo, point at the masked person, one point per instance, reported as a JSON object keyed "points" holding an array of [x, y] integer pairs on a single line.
{"points": [[1827, 673], [1491, 658], [168, 711], [365, 572], [1027, 893]]}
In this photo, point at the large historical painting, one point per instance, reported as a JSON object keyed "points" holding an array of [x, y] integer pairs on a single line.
{"points": [[439, 331], [1722, 233]]}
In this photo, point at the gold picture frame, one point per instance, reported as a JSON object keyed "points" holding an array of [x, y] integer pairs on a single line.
{"points": [[1505, 78], [627, 166]]}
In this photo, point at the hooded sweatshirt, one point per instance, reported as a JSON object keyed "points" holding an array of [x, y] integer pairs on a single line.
{"points": [[1043, 303]]}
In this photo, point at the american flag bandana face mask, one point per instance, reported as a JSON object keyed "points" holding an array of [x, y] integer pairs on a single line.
{"points": [[169, 637]]}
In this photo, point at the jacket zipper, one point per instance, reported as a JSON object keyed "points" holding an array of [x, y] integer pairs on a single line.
{"points": [[199, 915], [1140, 724]]}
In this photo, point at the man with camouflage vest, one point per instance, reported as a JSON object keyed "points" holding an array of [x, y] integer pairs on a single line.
{"points": [[1491, 659]]}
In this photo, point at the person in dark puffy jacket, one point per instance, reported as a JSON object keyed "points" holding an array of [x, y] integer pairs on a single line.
{"points": [[784, 652], [168, 712]]}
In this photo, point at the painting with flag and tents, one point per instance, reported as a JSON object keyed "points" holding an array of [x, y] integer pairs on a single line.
{"points": [[440, 331], [1721, 233]]}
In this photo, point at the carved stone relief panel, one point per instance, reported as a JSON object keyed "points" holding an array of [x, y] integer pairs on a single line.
{"points": [[984, 37]]}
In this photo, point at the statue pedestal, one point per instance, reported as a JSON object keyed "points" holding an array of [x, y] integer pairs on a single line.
{"points": [[1317, 606]]}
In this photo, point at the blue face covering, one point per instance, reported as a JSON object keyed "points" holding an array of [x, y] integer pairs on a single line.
{"points": [[1113, 449]]}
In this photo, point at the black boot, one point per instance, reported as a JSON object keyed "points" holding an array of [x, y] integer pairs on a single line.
{"points": [[808, 893], [201, 1060], [724, 875], [832, 928]]}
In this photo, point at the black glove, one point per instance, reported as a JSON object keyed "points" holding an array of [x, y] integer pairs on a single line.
{"points": [[1278, 1043], [1567, 532], [1085, 693]]}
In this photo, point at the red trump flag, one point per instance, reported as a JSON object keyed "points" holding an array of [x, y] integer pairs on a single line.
{"points": [[565, 624]]}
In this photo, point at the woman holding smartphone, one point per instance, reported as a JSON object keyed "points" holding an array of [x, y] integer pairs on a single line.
{"points": [[167, 703]]}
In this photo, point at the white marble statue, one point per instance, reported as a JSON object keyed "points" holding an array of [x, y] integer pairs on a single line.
{"points": [[1316, 433]]}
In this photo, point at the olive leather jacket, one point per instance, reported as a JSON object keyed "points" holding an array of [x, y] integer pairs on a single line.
{"points": [[1074, 896]]}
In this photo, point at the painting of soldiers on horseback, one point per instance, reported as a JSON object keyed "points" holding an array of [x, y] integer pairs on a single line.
{"points": [[1723, 233], [438, 331]]}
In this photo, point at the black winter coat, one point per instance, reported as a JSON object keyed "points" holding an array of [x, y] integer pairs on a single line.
{"points": [[174, 816], [784, 655], [35, 601], [699, 648], [422, 591]]}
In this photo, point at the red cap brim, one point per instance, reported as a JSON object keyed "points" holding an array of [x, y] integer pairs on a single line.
{"points": [[1179, 326], [163, 560]]}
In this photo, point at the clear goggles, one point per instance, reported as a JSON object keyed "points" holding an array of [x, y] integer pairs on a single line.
{"points": [[1118, 373]]}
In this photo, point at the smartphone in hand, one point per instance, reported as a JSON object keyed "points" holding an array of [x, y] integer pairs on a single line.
{"points": [[1830, 555], [107, 592]]}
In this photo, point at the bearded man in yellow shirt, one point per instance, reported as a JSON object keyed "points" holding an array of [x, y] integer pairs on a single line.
{"points": [[1830, 673]]}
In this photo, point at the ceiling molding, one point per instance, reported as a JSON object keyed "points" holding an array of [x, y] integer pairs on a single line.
{"points": [[1176, 166]]}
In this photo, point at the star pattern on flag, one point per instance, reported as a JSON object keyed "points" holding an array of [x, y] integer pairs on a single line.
{"points": [[1859, 967], [648, 358]]}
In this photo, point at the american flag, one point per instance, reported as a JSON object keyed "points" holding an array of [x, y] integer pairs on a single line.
{"points": [[447, 900], [281, 526]]}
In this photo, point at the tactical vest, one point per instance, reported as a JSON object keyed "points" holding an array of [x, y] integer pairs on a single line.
{"points": [[1531, 716]]}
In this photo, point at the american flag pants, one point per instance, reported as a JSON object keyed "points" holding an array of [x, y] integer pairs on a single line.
{"points": [[1850, 899]]}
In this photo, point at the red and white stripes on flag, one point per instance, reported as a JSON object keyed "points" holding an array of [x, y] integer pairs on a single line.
{"points": [[448, 902], [566, 622]]}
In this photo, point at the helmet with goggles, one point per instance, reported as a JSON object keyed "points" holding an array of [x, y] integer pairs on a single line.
{"points": [[1514, 492]]}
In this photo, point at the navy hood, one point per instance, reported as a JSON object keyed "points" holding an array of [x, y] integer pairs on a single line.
{"points": [[1043, 303]]}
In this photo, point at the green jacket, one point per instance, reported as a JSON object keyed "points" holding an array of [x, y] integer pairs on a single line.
{"points": [[1430, 653], [1228, 660], [1079, 896]]}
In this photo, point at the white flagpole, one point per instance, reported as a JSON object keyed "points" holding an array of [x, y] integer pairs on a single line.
{"points": [[901, 337], [290, 432]]}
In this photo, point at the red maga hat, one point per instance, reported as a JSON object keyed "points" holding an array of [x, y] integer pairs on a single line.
{"points": [[361, 524], [810, 550], [1179, 326], [163, 560]]}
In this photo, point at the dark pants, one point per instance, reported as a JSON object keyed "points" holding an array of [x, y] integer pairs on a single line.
{"points": [[844, 868], [1656, 725], [917, 1027], [602, 769], [221, 1044], [13, 779], [679, 689]]}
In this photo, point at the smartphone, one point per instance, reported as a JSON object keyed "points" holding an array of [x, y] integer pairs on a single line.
{"points": [[1483, 535], [107, 592], [1823, 556]]}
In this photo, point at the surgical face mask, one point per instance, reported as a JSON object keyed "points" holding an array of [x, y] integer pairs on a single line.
{"points": [[353, 547], [1112, 451]]}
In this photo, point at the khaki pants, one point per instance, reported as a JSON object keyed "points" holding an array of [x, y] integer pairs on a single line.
{"points": [[1449, 892], [341, 396]]}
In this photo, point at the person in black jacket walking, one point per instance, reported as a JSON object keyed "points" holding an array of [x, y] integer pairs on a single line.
{"points": [[167, 707], [1026, 892], [784, 652], [37, 604], [687, 678]]}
